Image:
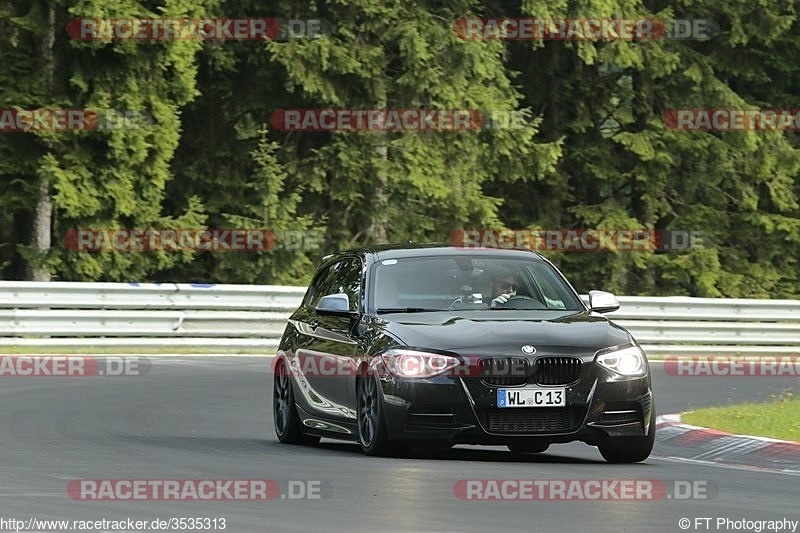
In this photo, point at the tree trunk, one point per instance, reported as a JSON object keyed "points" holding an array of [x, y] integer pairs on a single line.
{"points": [[41, 236], [379, 213]]}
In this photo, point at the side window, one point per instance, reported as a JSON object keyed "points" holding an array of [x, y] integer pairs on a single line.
{"points": [[551, 296], [554, 299], [344, 276]]}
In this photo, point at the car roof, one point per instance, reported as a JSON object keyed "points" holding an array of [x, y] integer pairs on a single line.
{"points": [[399, 251]]}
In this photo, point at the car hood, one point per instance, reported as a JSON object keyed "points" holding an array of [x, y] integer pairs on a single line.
{"points": [[505, 332]]}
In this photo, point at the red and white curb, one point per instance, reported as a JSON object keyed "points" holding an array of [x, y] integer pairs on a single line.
{"points": [[698, 444]]}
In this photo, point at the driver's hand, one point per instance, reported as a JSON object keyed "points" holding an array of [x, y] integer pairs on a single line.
{"points": [[500, 300]]}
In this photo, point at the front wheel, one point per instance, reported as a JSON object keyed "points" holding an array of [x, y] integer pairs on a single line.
{"points": [[288, 426], [371, 419], [630, 449]]}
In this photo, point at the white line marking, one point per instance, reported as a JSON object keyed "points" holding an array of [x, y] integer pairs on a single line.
{"points": [[675, 421], [672, 459]]}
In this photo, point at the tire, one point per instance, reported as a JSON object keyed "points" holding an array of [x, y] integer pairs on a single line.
{"points": [[371, 419], [629, 449], [288, 426], [528, 448]]}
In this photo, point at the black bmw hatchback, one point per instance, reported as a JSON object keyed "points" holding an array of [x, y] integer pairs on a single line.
{"points": [[432, 346]]}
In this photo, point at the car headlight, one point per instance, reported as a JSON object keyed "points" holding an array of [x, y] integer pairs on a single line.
{"points": [[415, 364], [628, 362]]}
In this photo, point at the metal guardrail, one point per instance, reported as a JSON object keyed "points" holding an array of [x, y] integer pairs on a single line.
{"points": [[175, 296], [254, 316], [678, 324], [157, 315]]}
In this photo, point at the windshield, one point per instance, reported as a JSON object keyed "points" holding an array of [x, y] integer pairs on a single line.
{"points": [[418, 284]]}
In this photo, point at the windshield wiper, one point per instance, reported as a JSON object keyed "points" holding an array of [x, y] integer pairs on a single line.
{"points": [[384, 310], [498, 308], [529, 309]]}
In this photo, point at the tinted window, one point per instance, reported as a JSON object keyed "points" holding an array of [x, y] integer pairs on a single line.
{"points": [[342, 276], [348, 280], [554, 293], [314, 293], [448, 281]]}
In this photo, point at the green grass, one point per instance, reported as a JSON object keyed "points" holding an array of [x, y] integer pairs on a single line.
{"points": [[776, 419]]}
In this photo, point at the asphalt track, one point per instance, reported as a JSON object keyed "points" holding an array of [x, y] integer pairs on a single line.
{"points": [[210, 417]]}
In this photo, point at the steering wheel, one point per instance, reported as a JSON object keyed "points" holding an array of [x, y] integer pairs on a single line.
{"points": [[523, 297], [466, 296], [456, 301]]}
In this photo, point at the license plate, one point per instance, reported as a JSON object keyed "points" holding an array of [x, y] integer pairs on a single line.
{"points": [[531, 397]]}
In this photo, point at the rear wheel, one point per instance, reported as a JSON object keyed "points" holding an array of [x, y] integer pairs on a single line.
{"points": [[288, 426], [629, 449], [371, 419], [528, 448]]}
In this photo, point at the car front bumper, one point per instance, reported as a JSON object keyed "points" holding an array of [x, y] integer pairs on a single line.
{"points": [[460, 410]]}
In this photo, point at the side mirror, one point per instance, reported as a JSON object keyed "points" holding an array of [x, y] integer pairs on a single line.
{"points": [[334, 304], [602, 302]]}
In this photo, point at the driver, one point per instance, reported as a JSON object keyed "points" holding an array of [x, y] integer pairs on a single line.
{"points": [[503, 288]]}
